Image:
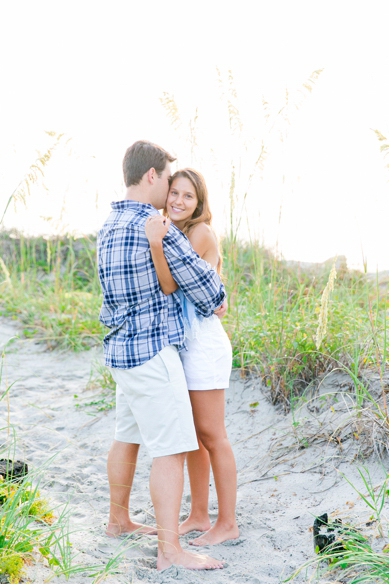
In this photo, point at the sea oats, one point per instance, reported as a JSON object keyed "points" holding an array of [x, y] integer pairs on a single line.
{"points": [[35, 171], [323, 316], [6, 273]]}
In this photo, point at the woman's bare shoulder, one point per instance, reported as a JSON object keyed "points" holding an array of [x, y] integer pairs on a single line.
{"points": [[202, 238], [202, 231]]}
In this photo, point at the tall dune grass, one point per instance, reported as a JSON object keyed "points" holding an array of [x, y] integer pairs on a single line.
{"points": [[52, 288], [274, 315]]}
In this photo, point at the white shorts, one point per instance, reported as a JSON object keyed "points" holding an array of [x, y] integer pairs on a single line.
{"points": [[208, 361], [153, 406]]}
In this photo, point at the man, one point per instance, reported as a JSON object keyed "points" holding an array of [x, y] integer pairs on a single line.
{"points": [[152, 401]]}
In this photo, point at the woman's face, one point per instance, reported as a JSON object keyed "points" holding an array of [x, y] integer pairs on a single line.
{"points": [[181, 201]]}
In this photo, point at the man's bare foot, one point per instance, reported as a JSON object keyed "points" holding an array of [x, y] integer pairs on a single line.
{"points": [[217, 534], [188, 560], [115, 530], [194, 525]]}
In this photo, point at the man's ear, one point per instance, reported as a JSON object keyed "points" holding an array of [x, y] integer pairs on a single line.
{"points": [[151, 175]]}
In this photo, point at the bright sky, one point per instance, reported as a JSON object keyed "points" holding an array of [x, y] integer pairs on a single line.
{"points": [[96, 71]]}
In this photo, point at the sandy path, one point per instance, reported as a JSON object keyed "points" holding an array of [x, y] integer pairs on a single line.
{"points": [[282, 485]]}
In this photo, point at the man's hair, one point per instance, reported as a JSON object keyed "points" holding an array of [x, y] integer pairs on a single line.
{"points": [[142, 156]]}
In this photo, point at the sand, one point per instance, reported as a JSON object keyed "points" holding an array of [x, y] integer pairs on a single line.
{"points": [[288, 469]]}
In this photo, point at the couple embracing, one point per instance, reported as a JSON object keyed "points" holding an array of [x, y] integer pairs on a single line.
{"points": [[168, 354]]}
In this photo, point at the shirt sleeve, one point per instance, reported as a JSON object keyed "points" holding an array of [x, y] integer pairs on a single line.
{"points": [[199, 282]]}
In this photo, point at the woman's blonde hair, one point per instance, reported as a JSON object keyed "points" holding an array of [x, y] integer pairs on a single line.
{"points": [[202, 213]]}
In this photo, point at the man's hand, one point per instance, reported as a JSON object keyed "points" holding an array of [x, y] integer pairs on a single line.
{"points": [[221, 311], [156, 228]]}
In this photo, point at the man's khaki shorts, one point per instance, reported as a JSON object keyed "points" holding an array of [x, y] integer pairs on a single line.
{"points": [[153, 405]]}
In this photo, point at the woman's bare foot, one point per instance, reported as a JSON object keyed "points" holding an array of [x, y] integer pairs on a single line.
{"points": [[115, 530], [188, 560], [192, 524], [217, 534]]}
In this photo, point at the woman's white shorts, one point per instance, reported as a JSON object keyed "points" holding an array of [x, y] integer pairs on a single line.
{"points": [[153, 406], [207, 362]]}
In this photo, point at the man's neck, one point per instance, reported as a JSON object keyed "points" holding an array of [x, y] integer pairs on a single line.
{"points": [[137, 193]]}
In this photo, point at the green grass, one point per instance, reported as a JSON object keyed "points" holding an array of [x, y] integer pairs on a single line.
{"points": [[28, 526], [102, 382], [274, 313], [52, 288], [357, 562], [62, 319], [30, 529], [33, 528]]}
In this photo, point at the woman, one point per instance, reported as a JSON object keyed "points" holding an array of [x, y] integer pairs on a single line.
{"points": [[207, 362]]}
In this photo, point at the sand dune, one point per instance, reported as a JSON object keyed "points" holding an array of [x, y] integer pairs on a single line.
{"points": [[287, 473]]}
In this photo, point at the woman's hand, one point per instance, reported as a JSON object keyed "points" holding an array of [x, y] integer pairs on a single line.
{"points": [[221, 311], [156, 228]]}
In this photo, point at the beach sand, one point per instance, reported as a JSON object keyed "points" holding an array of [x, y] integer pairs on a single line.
{"points": [[289, 470]]}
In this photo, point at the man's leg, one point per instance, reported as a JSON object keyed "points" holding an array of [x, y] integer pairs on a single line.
{"points": [[166, 486], [121, 469], [158, 410]]}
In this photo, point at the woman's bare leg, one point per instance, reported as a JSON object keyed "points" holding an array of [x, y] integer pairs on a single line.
{"points": [[208, 413], [199, 470]]}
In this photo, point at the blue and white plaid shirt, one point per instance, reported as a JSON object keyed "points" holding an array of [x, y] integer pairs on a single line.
{"points": [[142, 319]]}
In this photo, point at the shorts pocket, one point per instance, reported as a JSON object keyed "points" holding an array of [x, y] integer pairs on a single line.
{"points": [[165, 356]]}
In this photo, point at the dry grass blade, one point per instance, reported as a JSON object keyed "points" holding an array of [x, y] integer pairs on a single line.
{"points": [[7, 280], [169, 103], [323, 316], [384, 144], [35, 171]]}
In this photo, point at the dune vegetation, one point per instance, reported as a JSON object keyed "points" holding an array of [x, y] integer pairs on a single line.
{"points": [[290, 324]]}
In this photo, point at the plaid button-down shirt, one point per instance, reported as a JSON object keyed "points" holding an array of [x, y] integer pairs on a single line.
{"points": [[142, 319]]}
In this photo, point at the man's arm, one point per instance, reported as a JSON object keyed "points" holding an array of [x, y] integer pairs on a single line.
{"points": [[198, 281]]}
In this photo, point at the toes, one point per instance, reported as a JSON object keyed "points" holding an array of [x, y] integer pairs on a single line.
{"points": [[197, 543], [214, 566]]}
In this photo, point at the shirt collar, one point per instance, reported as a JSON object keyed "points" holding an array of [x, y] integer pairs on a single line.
{"points": [[128, 204]]}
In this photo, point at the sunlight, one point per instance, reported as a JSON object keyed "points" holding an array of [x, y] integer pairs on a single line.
{"points": [[323, 177]]}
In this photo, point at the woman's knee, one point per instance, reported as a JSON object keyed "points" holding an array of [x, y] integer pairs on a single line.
{"points": [[212, 439]]}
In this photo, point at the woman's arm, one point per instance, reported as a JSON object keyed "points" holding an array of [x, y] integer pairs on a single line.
{"points": [[198, 281], [156, 228], [165, 278]]}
